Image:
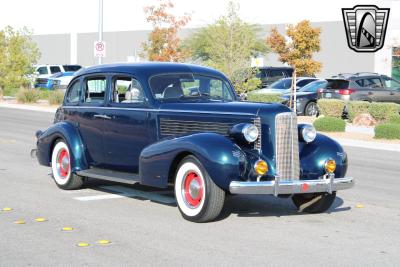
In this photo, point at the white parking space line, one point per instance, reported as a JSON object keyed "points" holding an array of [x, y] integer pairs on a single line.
{"points": [[123, 192]]}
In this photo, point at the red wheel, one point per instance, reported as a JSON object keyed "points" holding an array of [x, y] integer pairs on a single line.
{"points": [[193, 189]]}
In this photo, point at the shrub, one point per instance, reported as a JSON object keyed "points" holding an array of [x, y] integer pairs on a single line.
{"points": [[28, 95], [395, 119], [269, 98], [383, 111], [387, 131], [56, 97], [329, 124], [356, 108], [331, 107], [10, 91]]}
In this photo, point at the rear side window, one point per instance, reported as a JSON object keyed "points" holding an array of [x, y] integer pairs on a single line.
{"points": [[304, 82], [370, 82], [74, 93], [55, 69], [95, 89], [337, 84]]}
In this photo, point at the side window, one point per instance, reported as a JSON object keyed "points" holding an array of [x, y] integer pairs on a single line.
{"points": [[360, 82], [55, 69], [127, 90], [370, 82], [95, 89], [390, 83], [74, 93], [42, 70]]}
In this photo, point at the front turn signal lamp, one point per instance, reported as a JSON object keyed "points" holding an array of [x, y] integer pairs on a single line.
{"points": [[330, 166], [261, 167]]}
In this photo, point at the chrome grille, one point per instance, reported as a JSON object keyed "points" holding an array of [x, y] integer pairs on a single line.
{"points": [[257, 144], [287, 146]]}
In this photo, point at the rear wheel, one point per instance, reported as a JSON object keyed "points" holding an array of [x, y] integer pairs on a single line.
{"points": [[314, 203], [311, 109], [61, 168], [199, 198]]}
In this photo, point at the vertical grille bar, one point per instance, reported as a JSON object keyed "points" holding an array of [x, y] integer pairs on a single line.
{"points": [[287, 146], [257, 143]]}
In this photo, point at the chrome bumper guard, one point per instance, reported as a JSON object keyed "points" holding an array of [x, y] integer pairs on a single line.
{"points": [[283, 187]]}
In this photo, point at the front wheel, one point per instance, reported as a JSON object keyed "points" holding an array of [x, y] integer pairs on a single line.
{"points": [[311, 109], [199, 198], [61, 168], [314, 203]]}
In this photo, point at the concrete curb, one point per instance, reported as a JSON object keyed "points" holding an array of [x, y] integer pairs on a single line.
{"points": [[368, 144], [28, 107]]}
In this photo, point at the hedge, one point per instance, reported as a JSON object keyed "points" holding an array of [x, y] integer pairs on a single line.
{"points": [[329, 124], [356, 108], [387, 131], [394, 119], [383, 111], [268, 98], [331, 107]]}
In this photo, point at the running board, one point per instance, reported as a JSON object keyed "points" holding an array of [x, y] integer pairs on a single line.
{"points": [[109, 175]]}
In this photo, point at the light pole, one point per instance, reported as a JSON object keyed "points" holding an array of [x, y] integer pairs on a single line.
{"points": [[100, 26]]}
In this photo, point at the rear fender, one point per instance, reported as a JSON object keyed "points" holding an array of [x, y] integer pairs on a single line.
{"points": [[68, 132], [222, 158]]}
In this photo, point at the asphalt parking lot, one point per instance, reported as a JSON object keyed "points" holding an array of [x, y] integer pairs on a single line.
{"points": [[145, 227]]}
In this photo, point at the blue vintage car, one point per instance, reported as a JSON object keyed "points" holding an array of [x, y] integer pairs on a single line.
{"points": [[161, 124]]}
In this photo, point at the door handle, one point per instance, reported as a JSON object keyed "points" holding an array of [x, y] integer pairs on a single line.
{"points": [[102, 117]]}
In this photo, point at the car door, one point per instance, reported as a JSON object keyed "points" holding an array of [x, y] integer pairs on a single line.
{"points": [[90, 117], [126, 124], [393, 87]]}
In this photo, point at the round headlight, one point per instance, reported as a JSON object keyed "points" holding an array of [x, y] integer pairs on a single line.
{"points": [[309, 133], [250, 133]]}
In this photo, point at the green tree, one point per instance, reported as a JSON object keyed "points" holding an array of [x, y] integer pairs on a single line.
{"points": [[163, 43], [18, 54], [228, 45], [303, 41]]}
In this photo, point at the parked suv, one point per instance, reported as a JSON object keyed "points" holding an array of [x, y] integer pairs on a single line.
{"points": [[363, 86]]}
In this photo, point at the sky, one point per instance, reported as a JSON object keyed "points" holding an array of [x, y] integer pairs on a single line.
{"points": [[60, 16]]}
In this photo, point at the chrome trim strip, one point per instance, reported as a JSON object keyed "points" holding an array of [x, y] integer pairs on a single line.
{"points": [[291, 187], [161, 110]]}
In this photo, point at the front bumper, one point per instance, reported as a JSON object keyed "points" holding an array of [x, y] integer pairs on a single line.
{"points": [[282, 187]]}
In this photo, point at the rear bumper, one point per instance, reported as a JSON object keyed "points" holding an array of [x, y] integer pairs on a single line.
{"points": [[277, 187]]}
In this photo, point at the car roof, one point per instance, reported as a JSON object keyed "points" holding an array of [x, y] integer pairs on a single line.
{"points": [[149, 68], [270, 67]]}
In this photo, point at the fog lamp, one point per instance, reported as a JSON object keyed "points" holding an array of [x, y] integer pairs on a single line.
{"points": [[330, 166], [261, 167]]}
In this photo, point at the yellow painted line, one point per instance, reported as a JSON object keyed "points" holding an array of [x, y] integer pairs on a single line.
{"points": [[359, 206], [40, 219], [83, 244], [66, 229], [104, 242], [7, 209], [20, 222]]}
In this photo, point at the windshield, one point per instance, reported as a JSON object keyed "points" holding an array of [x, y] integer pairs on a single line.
{"points": [[190, 86], [313, 86], [282, 84]]}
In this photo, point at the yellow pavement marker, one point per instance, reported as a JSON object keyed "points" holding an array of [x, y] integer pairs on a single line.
{"points": [[104, 242], [66, 229], [83, 244], [20, 222], [7, 209], [40, 219], [359, 206]]}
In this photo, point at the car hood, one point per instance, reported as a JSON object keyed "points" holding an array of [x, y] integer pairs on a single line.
{"points": [[236, 107]]}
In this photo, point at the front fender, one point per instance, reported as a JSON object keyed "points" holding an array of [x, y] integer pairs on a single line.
{"points": [[314, 155], [222, 158], [70, 134]]}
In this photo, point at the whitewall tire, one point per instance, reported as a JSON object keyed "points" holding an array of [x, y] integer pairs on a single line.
{"points": [[61, 167], [199, 199]]}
